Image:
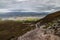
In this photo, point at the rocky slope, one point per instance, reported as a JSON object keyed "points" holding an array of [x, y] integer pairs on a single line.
{"points": [[47, 28], [38, 34], [51, 23]]}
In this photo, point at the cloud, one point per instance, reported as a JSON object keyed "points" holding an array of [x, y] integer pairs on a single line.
{"points": [[21, 0], [30, 5], [4, 10]]}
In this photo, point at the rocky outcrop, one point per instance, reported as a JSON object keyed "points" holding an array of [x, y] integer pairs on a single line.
{"points": [[51, 23]]}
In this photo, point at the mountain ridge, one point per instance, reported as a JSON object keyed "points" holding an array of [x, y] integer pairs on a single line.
{"points": [[13, 14]]}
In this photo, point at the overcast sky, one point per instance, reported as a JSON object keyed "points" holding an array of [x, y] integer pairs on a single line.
{"points": [[29, 5]]}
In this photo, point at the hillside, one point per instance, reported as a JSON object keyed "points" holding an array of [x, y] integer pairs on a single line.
{"points": [[49, 18], [13, 29], [48, 28], [50, 22]]}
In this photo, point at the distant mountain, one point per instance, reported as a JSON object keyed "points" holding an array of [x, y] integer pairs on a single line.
{"points": [[13, 14]]}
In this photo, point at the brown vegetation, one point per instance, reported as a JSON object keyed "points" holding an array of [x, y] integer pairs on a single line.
{"points": [[13, 29], [49, 17]]}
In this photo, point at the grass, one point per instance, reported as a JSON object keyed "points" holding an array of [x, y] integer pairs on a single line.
{"points": [[9, 28]]}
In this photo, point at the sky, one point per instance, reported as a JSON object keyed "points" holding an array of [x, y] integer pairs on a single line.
{"points": [[29, 5]]}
